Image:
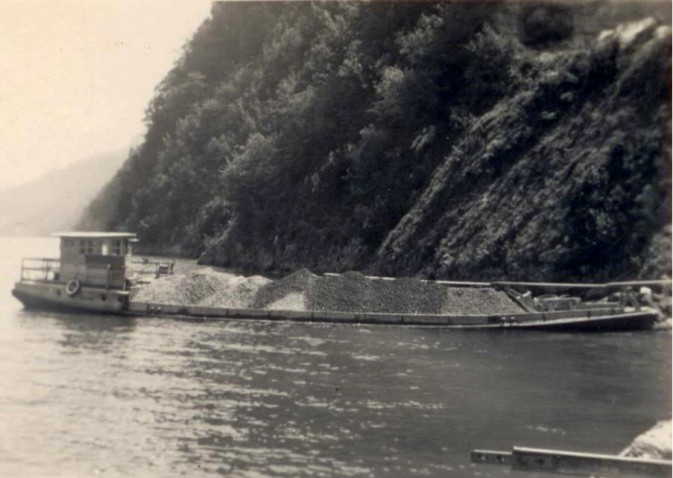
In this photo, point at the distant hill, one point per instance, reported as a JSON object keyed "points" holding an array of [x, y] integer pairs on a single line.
{"points": [[55, 201]]}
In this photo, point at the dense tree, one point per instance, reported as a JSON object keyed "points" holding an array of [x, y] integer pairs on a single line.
{"points": [[297, 134]]}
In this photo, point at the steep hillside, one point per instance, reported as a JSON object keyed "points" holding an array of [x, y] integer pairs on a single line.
{"points": [[465, 140], [56, 200], [566, 179]]}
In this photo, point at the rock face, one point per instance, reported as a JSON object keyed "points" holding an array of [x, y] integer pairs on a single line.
{"points": [[654, 443], [457, 140], [556, 180], [566, 180]]}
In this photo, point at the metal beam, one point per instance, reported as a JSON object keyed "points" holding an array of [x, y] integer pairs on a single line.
{"points": [[573, 463], [570, 285]]}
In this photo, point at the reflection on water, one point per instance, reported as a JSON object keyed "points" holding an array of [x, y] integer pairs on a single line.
{"points": [[102, 395]]}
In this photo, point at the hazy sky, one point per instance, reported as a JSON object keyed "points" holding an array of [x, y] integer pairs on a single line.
{"points": [[77, 75]]}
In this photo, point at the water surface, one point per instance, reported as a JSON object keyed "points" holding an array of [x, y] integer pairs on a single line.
{"points": [[94, 395]]}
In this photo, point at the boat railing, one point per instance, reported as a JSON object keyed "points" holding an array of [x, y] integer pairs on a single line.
{"points": [[554, 287], [49, 270], [144, 267], [40, 269]]}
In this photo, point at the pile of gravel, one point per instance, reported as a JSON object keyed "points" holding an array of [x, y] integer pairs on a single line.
{"points": [[204, 287], [357, 293], [467, 300], [299, 282], [293, 301], [237, 293], [303, 290], [352, 293]]}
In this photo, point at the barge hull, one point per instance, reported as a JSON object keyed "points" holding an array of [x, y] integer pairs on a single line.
{"points": [[592, 320], [53, 296]]}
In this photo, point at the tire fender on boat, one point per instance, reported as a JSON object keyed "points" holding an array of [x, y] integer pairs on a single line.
{"points": [[72, 287]]}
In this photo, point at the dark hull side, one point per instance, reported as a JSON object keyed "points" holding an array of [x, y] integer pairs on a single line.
{"points": [[617, 323], [37, 303], [52, 296]]}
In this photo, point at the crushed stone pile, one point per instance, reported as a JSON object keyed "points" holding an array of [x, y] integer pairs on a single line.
{"points": [[204, 287], [353, 293], [303, 290], [350, 293], [238, 293], [293, 301], [467, 300], [299, 282]]}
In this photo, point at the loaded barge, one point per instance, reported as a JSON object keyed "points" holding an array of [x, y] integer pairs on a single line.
{"points": [[97, 272]]}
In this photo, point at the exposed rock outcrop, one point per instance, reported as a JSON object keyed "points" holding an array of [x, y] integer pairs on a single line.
{"points": [[654, 443]]}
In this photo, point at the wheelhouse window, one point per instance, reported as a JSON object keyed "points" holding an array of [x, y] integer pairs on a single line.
{"points": [[92, 244]]}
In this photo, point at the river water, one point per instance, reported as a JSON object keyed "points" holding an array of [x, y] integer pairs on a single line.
{"points": [[94, 395]]}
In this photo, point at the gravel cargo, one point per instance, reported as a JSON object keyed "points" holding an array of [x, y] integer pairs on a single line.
{"points": [[303, 290], [298, 282], [204, 287]]}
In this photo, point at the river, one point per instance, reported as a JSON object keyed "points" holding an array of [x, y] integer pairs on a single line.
{"points": [[95, 395]]}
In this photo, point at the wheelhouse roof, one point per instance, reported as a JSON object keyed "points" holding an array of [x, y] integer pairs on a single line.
{"points": [[95, 235]]}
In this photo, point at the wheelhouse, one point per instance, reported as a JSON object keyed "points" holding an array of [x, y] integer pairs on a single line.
{"points": [[76, 246], [96, 259], [95, 272], [93, 259]]}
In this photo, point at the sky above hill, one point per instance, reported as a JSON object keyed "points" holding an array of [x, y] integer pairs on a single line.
{"points": [[77, 75]]}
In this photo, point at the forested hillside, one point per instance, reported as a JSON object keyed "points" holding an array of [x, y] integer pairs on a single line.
{"points": [[450, 140]]}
